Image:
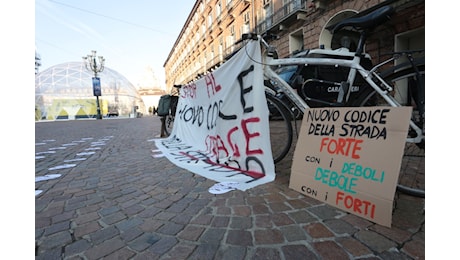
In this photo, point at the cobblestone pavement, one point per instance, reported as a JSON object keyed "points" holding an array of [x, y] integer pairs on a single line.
{"points": [[105, 197]]}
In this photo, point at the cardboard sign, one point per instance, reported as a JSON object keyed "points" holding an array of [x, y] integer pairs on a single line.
{"points": [[350, 158]]}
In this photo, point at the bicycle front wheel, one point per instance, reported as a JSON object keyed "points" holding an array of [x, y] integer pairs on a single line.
{"points": [[412, 174], [280, 127]]}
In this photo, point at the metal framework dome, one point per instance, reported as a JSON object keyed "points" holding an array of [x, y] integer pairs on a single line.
{"points": [[65, 91]]}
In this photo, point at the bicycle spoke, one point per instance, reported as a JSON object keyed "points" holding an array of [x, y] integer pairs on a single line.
{"points": [[280, 128]]}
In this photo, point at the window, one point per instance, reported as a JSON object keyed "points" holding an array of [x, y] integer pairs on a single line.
{"points": [[268, 14], [245, 28], [296, 41], [210, 20], [230, 41], [409, 40], [218, 9], [221, 47], [246, 17]]}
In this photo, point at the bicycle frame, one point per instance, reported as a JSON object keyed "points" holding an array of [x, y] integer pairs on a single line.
{"points": [[370, 76]]}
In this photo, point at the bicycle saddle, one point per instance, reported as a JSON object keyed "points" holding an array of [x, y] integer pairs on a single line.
{"points": [[367, 21]]}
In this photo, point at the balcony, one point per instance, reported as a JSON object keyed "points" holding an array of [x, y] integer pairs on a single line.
{"points": [[245, 4], [287, 14]]}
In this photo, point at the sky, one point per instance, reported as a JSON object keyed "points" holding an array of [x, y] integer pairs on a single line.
{"points": [[132, 36]]}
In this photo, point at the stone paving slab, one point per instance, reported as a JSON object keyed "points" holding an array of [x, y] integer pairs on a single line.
{"points": [[118, 202]]}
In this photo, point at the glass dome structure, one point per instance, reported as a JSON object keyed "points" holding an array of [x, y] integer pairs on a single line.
{"points": [[65, 91]]}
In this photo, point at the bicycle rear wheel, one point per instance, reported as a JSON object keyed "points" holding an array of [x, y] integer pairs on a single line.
{"points": [[169, 123], [280, 127], [412, 173]]}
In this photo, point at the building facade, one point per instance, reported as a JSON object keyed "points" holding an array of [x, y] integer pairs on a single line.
{"points": [[209, 34]]}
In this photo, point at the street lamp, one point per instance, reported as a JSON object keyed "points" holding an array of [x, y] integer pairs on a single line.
{"points": [[92, 65]]}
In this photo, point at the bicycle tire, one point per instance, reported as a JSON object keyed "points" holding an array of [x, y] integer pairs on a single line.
{"points": [[408, 76], [169, 123], [280, 127], [412, 173]]}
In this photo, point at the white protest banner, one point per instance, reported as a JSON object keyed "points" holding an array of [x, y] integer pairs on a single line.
{"points": [[350, 158], [221, 128]]}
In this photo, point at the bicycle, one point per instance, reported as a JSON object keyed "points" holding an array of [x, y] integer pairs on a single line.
{"points": [[376, 88], [169, 118]]}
